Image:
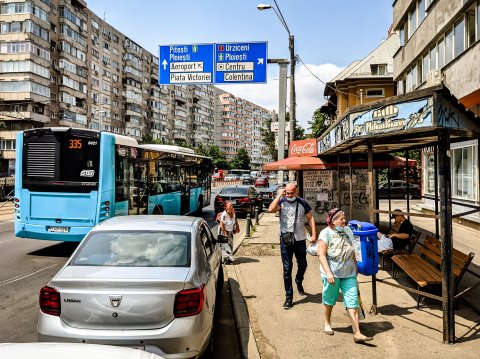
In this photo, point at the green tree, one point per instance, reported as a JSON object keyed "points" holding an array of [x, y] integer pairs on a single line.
{"points": [[148, 139], [317, 124], [268, 138], [219, 159], [241, 160]]}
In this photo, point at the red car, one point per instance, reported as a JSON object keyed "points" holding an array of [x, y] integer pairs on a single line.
{"points": [[261, 182]]}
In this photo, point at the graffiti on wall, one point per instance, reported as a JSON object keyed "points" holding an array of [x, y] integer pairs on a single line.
{"points": [[321, 192]]}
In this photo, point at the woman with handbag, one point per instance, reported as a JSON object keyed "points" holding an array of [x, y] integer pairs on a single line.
{"points": [[228, 226], [338, 268]]}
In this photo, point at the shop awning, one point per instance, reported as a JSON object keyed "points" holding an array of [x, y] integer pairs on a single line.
{"points": [[296, 163]]}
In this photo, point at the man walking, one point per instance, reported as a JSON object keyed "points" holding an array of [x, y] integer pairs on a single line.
{"points": [[293, 211]]}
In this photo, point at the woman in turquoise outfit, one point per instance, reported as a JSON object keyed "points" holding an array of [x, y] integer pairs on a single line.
{"points": [[338, 269]]}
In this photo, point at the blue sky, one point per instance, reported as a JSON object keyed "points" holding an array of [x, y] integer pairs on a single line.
{"points": [[329, 35]]}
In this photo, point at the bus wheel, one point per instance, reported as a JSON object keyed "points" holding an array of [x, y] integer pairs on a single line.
{"points": [[158, 210], [198, 212]]}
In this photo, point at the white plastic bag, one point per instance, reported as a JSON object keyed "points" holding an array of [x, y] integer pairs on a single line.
{"points": [[312, 249]]}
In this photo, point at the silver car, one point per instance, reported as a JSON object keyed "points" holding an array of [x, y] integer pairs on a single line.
{"points": [[147, 282]]}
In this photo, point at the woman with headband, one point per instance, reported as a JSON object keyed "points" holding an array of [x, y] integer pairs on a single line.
{"points": [[338, 269]]}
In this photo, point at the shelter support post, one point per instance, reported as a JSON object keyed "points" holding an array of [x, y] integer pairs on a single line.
{"points": [[435, 164], [338, 183], [445, 186], [350, 174], [371, 199]]}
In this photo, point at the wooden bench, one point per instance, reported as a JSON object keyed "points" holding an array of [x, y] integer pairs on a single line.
{"points": [[426, 273], [412, 241]]}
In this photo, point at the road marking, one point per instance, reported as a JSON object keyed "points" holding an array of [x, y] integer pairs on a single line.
{"points": [[23, 276]]}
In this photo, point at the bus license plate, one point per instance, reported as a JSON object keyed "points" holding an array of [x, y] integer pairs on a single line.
{"points": [[58, 229]]}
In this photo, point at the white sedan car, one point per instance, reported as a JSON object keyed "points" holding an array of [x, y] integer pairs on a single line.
{"points": [[147, 282], [70, 351]]}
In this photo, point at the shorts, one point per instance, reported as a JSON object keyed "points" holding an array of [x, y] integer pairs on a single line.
{"points": [[384, 243], [349, 288]]}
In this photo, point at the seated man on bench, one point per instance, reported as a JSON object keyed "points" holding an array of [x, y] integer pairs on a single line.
{"points": [[398, 236]]}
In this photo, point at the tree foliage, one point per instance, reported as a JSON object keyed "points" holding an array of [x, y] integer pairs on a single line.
{"points": [[219, 159], [317, 124], [268, 138], [241, 160]]}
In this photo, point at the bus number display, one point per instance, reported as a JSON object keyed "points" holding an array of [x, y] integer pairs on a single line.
{"points": [[74, 143]]}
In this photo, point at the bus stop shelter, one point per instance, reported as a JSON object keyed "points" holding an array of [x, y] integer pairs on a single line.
{"points": [[430, 117]]}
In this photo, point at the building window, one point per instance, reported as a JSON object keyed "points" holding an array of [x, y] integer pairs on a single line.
{"points": [[470, 33], [441, 53], [464, 169], [375, 93], [433, 58], [459, 37], [449, 46], [379, 69]]}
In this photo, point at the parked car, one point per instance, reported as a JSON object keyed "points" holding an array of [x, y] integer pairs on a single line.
{"points": [[232, 177], [268, 195], [272, 176], [261, 182], [398, 189], [71, 351], [244, 199], [218, 176], [140, 281], [246, 179]]}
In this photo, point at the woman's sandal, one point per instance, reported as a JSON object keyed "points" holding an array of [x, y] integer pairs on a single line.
{"points": [[362, 340]]}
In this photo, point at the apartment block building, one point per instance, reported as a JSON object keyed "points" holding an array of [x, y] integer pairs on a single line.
{"points": [[62, 65], [440, 44], [239, 123]]}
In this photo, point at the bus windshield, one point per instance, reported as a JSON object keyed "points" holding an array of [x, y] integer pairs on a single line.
{"points": [[63, 161]]}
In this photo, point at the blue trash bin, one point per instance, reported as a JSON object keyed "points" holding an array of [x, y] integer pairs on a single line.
{"points": [[366, 246]]}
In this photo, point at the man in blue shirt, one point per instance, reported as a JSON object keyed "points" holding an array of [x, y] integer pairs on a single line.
{"points": [[288, 204]]}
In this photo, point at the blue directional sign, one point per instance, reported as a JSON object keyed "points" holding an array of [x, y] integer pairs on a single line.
{"points": [[241, 63], [186, 64]]}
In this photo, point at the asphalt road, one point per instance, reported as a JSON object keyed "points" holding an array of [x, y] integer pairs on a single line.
{"points": [[26, 265]]}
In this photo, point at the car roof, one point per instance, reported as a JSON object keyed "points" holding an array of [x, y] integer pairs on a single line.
{"points": [[147, 222]]}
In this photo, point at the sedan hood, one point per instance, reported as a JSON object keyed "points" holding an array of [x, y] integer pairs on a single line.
{"points": [[118, 297]]}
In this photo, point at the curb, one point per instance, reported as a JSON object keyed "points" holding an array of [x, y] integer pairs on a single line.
{"points": [[246, 339]]}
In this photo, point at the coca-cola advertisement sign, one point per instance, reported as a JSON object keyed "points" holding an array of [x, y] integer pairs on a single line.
{"points": [[303, 148]]}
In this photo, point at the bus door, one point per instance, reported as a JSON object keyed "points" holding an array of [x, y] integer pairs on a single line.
{"points": [[184, 190], [138, 191]]}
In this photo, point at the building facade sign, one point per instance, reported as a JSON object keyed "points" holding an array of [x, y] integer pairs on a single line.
{"points": [[303, 148], [389, 118]]}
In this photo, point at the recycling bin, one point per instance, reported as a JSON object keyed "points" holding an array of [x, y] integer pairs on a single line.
{"points": [[366, 246]]}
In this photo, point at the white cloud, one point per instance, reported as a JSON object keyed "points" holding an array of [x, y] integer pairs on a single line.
{"points": [[309, 90]]}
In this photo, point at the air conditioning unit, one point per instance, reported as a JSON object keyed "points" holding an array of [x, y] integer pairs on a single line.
{"points": [[96, 72], [69, 105], [434, 78]]}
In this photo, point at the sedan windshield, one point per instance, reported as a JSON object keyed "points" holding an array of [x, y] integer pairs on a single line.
{"points": [[235, 191], [134, 249]]}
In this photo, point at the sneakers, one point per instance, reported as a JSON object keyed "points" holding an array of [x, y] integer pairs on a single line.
{"points": [[288, 303], [300, 289]]}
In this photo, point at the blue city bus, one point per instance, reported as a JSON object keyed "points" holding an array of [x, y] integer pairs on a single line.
{"points": [[68, 180]]}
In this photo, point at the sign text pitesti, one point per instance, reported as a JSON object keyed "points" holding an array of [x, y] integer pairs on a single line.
{"points": [[213, 63], [181, 64]]}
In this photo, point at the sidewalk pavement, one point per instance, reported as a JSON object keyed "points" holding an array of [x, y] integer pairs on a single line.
{"points": [[399, 329]]}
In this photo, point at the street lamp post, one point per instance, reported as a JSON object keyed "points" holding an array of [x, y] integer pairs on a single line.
{"points": [[291, 47]]}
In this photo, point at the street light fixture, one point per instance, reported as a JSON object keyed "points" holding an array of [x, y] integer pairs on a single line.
{"points": [[291, 47]]}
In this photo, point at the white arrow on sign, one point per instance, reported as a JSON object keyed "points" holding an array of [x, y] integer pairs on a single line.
{"points": [[164, 63], [260, 61]]}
